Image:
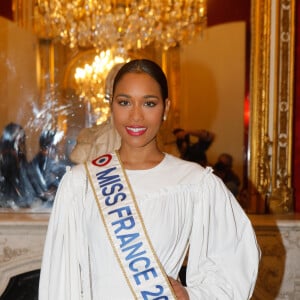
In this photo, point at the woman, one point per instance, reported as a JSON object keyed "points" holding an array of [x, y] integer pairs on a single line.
{"points": [[122, 224]]}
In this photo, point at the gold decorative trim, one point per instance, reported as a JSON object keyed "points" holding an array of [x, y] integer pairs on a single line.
{"points": [[281, 195], [259, 166], [270, 142]]}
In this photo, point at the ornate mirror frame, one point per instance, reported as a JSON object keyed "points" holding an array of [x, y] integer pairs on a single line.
{"points": [[271, 97], [269, 157]]}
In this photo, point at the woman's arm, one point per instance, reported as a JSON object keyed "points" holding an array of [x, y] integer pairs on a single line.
{"points": [[224, 254], [61, 271]]}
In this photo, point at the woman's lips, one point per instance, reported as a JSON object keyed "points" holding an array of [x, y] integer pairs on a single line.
{"points": [[135, 130]]}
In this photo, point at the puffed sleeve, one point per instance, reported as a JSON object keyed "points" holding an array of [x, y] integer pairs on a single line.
{"points": [[224, 254], [63, 270]]}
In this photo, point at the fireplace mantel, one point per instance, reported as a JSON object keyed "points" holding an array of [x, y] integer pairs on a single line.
{"points": [[22, 239], [279, 271]]}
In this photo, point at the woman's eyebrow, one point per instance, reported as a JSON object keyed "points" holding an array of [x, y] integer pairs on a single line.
{"points": [[151, 96], [122, 95]]}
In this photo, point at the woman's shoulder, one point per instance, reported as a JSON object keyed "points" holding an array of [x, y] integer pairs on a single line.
{"points": [[178, 163], [74, 173], [192, 171], [186, 170]]}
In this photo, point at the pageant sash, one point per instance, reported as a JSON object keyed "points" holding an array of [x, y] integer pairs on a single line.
{"points": [[126, 231]]}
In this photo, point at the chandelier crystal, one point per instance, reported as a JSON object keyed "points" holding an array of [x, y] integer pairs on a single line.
{"points": [[119, 24]]}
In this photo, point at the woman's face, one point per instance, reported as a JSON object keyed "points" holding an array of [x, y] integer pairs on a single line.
{"points": [[138, 109]]}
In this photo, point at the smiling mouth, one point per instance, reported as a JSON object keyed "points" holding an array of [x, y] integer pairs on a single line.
{"points": [[136, 130]]}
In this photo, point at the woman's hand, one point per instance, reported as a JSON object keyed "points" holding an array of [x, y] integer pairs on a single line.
{"points": [[179, 290]]}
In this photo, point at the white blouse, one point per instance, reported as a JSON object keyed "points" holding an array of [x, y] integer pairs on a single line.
{"points": [[183, 206]]}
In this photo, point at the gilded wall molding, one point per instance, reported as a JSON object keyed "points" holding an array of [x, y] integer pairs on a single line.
{"points": [[259, 160], [270, 142], [281, 197]]}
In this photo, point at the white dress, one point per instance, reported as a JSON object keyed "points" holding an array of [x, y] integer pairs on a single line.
{"points": [[182, 205]]}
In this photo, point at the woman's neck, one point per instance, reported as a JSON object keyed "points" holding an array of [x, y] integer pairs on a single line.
{"points": [[140, 159]]}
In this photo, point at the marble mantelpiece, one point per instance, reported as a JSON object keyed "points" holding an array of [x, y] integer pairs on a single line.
{"points": [[22, 239], [279, 272]]}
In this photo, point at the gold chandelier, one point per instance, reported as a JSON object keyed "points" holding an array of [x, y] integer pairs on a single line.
{"points": [[119, 24]]}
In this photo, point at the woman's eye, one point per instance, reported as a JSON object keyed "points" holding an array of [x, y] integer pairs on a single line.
{"points": [[123, 102], [150, 103]]}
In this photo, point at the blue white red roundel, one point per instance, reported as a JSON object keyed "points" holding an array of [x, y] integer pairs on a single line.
{"points": [[102, 160]]}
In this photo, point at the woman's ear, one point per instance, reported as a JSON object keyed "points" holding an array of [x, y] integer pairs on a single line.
{"points": [[167, 108]]}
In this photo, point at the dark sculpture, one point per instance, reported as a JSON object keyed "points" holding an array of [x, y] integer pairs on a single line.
{"points": [[16, 189], [25, 184]]}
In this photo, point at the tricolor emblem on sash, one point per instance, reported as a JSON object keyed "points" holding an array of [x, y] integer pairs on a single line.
{"points": [[126, 231]]}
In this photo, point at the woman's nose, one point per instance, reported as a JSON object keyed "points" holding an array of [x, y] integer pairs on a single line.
{"points": [[136, 113]]}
